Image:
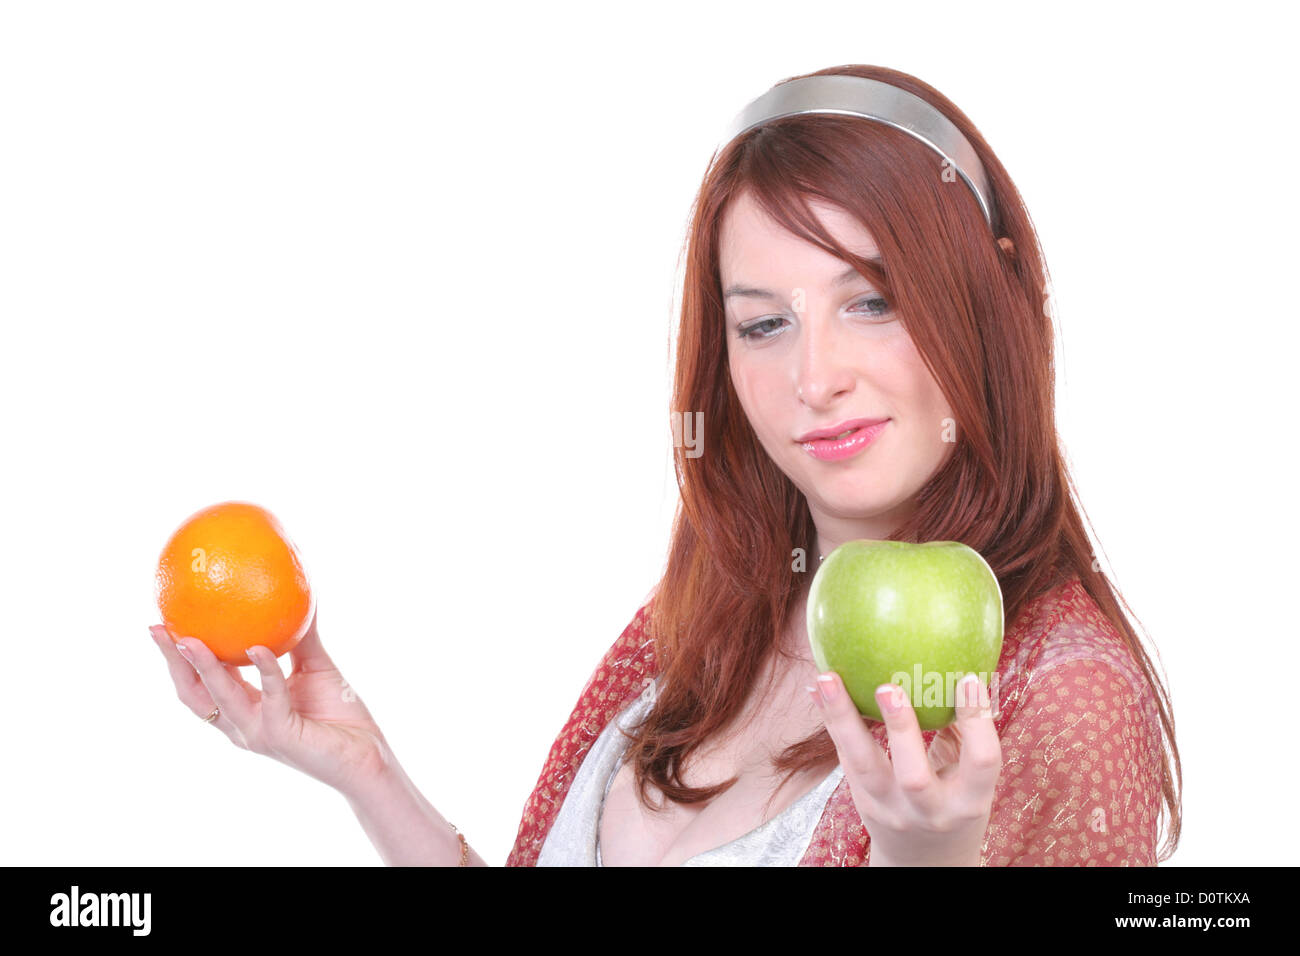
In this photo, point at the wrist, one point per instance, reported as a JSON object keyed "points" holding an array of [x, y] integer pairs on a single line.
{"points": [[403, 826], [379, 784]]}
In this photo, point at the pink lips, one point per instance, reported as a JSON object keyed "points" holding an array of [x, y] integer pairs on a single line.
{"points": [[822, 444]]}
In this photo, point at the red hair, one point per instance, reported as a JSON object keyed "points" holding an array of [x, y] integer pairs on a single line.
{"points": [[976, 313]]}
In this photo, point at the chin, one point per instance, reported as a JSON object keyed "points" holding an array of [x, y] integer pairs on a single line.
{"points": [[848, 503]]}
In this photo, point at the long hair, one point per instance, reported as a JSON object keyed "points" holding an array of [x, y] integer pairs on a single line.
{"points": [[977, 314]]}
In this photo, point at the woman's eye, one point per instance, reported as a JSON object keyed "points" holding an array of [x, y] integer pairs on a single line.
{"points": [[748, 331], [874, 306], [877, 306]]}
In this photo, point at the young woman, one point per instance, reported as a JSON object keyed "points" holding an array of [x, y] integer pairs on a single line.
{"points": [[865, 341]]}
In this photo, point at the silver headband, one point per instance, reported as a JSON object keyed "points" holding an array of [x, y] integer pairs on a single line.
{"points": [[873, 100]]}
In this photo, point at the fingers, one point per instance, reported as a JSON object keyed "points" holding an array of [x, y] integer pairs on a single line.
{"points": [[912, 770], [225, 691], [860, 756], [276, 709], [189, 688], [981, 751]]}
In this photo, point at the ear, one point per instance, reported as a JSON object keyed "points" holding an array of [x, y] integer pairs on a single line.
{"points": [[1008, 246]]}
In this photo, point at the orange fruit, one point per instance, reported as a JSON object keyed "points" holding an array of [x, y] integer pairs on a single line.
{"points": [[231, 577]]}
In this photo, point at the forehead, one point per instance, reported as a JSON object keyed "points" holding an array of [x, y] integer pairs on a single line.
{"points": [[752, 245]]}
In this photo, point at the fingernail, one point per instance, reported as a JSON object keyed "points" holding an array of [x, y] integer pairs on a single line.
{"points": [[970, 693], [890, 698], [185, 652], [830, 689], [816, 696], [251, 656]]}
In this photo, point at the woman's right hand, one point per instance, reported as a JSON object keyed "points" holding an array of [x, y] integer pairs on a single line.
{"points": [[312, 720]]}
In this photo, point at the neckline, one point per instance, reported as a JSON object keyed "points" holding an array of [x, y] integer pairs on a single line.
{"points": [[619, 762]]}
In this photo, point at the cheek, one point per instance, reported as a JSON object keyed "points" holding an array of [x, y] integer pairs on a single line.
{"points": [[759, 389], [931, 420], [911, 380], [747, 380]]}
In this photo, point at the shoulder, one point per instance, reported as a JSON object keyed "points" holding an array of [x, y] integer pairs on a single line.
{"points": [[624, 671], [629, 665], [1081, 748], [1081, 772], [1064, 628], [1083, 694], [1078, 638]]}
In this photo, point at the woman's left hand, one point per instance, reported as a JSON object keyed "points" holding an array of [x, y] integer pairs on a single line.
{"points": [[921, 809]]}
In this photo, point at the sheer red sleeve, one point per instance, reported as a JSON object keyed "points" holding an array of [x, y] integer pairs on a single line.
{"points": [[1081, 771]]}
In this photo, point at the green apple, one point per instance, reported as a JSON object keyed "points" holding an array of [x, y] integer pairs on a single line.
{"points": [[917, 615]]}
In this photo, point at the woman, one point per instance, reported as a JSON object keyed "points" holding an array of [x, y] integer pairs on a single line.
{"points": [[874, 274]]}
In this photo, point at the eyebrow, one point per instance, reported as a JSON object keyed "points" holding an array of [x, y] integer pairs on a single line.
{"points": [[750, 292]]}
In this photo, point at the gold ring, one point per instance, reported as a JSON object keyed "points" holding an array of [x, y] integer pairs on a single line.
{"points": [[216, 712]]}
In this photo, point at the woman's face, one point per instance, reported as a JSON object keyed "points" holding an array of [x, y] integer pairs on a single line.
{"points": [[824, 348]]}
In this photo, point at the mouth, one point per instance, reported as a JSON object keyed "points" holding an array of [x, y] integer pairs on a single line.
{"points": [[842, 441], [839, 431]]}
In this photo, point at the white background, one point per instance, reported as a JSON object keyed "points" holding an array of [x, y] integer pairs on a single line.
{"points": [[405, 275]]}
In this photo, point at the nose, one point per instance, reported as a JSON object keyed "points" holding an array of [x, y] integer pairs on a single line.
{"points": [[823, 374]]}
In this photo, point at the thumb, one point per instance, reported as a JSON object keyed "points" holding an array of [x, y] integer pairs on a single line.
{"points": [[309, 654], [276, 710], [945, 750]]}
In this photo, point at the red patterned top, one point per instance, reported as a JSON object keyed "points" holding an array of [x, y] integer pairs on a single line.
{"points": [[1078, 724]]}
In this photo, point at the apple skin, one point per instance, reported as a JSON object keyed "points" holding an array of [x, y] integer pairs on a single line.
{"points": [[878, 609]]}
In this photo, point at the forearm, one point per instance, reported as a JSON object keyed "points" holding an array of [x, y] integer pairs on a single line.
{"points": [[404, 827]]}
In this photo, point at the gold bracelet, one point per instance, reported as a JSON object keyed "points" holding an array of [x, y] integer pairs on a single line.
{"points": [[464, 847]]}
